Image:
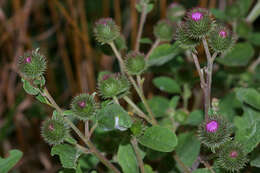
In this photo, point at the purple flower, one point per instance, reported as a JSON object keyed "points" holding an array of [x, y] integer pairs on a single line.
{"points": [[82, 104], [212, 126], [51, 127], [223, 33], [28, 59], [196, 16], [233, 154]]}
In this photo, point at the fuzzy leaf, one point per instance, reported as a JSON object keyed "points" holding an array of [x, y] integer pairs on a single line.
{"points": [[148, 169], [113, 117], [240, 55], [256, 161], [68, 155], [29, 88], [163, 54], [249, 96], [188, 148], [195, 118], [6, 164], [167, 84], [127, 159], [158, 105], [159, 139]]}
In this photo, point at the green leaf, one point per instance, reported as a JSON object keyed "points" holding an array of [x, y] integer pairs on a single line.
{"points": [[195, 118], [68, 155], [146, 41], [6, 164], [159, 139], [201, 170], [148, 169], [158, 105], [127, 159], [219, 14], [240, 55], [256, 161], [42, 99], [167, 84], [174, 102], [254, 38], [29, 88], [188, 148], [88, 162], [249, 96], [163, 54], [113, 117], [244, 6]]}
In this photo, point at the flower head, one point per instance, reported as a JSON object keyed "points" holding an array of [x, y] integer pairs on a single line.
{"points": [[196, 16], [212, 126]]}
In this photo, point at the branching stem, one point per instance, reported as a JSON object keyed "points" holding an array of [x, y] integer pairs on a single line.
{"points": [[141, 26]]}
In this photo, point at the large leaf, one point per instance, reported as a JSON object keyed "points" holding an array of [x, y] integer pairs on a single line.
{"points": [[244, 6], [113, 117], [188, 148], [240, 55], [159, 139], [167, 84], [127, 159], [255, 38], [6, 164], [163, 54], [68, 155], [256, 161], [249, 96]]}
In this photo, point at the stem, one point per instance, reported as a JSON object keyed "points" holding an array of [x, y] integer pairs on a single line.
{"points": [[254, 64], [118, 56], [139, 111], [156, 43], [182, 165], [137, 88], [83, 149], [139, 159], [254, 13], [90, 145], [115, 100], [206, 164], [141, 26]]}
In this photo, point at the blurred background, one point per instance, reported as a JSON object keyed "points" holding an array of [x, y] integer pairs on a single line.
{"points": [[63, 30]]}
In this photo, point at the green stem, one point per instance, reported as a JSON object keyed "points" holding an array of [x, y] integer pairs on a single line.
{"points": [[182, 165], [90, 145], [254, 13], [138, 156], [139, 111]]}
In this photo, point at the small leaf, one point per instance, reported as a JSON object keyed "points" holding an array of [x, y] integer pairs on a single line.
{"points": [[249, 96], [127, 159], [29, 88], [256, 161], [88, 162], [240, 55], [159, 139], [146, 41], [167, 84], [113, 117], [195, 118], [42, 99], [68, 155], [148, 169], [188, 148], [6, 164], [163, 54], [174, 102]]}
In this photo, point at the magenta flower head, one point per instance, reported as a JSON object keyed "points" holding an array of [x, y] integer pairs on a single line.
{"points": [[175, 12], [196, 16], [32, 64], [221, 39], [198, 23], [84, 106], [214, 132], [106, 30], [212, 126], [232, 156]]}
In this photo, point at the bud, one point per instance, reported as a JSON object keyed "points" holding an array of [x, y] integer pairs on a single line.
{"points": [[198, 23], [220, 39], [32, 64], [106, 30], [175, 12], [163, 30], [135, 63], [183, 38], [54, 131], [84, 106], [232, 157], [113, 85], [214, 132]]}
